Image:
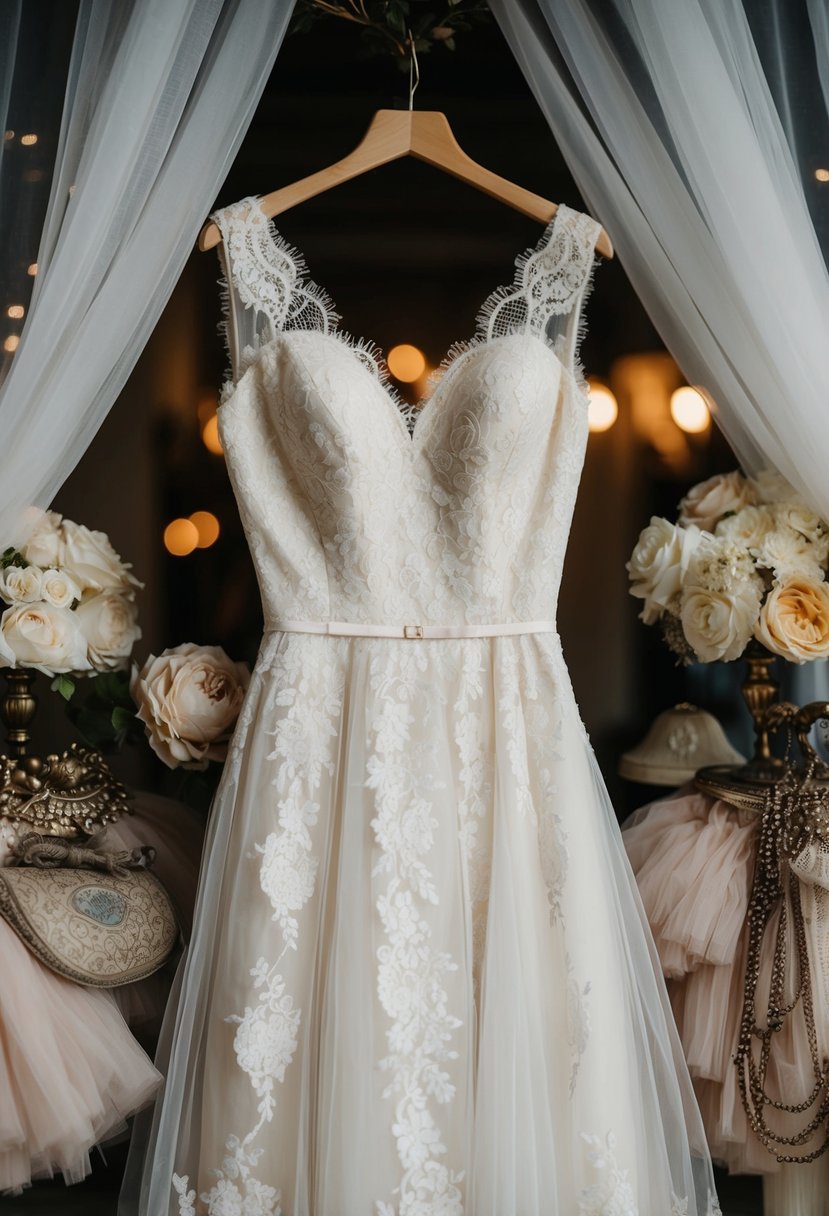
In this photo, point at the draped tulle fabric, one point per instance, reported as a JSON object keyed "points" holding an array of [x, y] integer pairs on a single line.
{"points": [[693, 857], [420, 981]]}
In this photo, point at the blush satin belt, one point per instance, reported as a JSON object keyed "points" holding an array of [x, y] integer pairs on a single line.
{"points": [[348, 629]]}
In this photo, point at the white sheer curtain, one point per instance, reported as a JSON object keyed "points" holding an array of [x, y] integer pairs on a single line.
{"points": [[668, 122], [158, 97], [692, 129]]}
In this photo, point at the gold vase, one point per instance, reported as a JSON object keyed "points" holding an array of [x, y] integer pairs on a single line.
{"points": [[17, 710], [747, 784], [760, 691], [73, 794]]}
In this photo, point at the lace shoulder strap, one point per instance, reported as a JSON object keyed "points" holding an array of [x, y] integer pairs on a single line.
{"points": [[266, 288], [551, 282]]}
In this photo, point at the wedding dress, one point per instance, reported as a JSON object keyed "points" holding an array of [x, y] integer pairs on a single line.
{"points": [[420, 982]]}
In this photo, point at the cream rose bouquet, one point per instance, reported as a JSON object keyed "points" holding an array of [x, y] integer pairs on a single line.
{"points": [[746, 559], [69, 603]]}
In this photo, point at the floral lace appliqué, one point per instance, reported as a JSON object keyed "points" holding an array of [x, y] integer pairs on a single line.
{"points": [[611, 1194], [411, 970], [267, 1032]]}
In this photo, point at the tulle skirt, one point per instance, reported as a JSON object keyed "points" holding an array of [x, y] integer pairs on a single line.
{"points": [[420, 982], [693, 857], [71, 1072]]}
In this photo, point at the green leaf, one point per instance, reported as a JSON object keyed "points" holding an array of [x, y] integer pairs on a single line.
{"points": [[122, 719], [64, 686]]}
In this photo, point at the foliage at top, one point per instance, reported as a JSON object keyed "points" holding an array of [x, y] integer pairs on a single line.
{"points": [[397, 27]]}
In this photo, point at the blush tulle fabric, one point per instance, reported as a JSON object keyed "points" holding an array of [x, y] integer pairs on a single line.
{"points": [[693, 857], [420, 981], [71, 1072]]}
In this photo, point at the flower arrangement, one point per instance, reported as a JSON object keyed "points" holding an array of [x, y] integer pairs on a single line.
{"points": [[746, 559], [70, 601], [70, 611]]}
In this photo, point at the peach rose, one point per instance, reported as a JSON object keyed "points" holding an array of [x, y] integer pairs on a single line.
{"points": [[189, 698], [705, 504], [794, 621]]}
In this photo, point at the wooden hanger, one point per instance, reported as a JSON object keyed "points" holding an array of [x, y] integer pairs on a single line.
{"points": [[425, 134]]}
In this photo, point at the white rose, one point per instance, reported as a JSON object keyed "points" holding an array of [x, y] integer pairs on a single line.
{"points": [[657, 566], [57, 588], [718, 625], [189, 699], [706, 503], [109, 622], [42, 546], [21, 584], [801, 519], [794, 621], [787, 552], [43, 636], [747, 527], [92, 562]]}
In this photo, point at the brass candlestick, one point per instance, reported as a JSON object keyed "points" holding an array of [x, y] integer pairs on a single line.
{"points": [[71, 795]]}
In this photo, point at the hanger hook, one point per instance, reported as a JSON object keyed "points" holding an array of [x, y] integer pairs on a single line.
{"points": [[414, 70]]}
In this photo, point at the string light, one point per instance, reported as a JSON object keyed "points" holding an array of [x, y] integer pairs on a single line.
{"points": [[11, 343], [181, 536], [602, 409], [689, 410], [15, 310], [32, 269], [406, 363], [210, 436], [8, 134], [207, 526], [822, 175], [28, 140]]}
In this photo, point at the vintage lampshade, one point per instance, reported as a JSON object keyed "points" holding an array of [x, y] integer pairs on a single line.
{"points": [[680, 741]]}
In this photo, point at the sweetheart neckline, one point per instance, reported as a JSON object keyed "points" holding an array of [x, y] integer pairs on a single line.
{"points": [[407, 438], [458, 348]]}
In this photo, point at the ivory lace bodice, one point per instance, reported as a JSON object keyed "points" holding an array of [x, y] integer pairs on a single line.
{"points": [[359, 508]]}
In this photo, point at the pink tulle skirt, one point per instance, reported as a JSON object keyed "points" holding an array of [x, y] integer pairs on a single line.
{"points": [[693, 857], [71, 1071]]}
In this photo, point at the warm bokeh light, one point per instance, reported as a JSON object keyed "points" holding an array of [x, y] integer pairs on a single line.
{"points": [[206, 407], [207, 526], [32, 268], [15, 310], [602, 410], [181, 536], [8, 134], [28, 140], [210, 436], [406, 363], [822, 175], [689, 410], [11, 343]]}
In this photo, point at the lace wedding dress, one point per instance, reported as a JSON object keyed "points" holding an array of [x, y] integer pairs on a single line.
{"points": [[420, 982]]}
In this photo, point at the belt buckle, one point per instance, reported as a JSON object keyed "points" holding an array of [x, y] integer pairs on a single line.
{"points": [[412, 631]]}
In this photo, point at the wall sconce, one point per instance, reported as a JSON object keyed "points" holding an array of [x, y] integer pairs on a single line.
{"points": [[666, 414]]}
